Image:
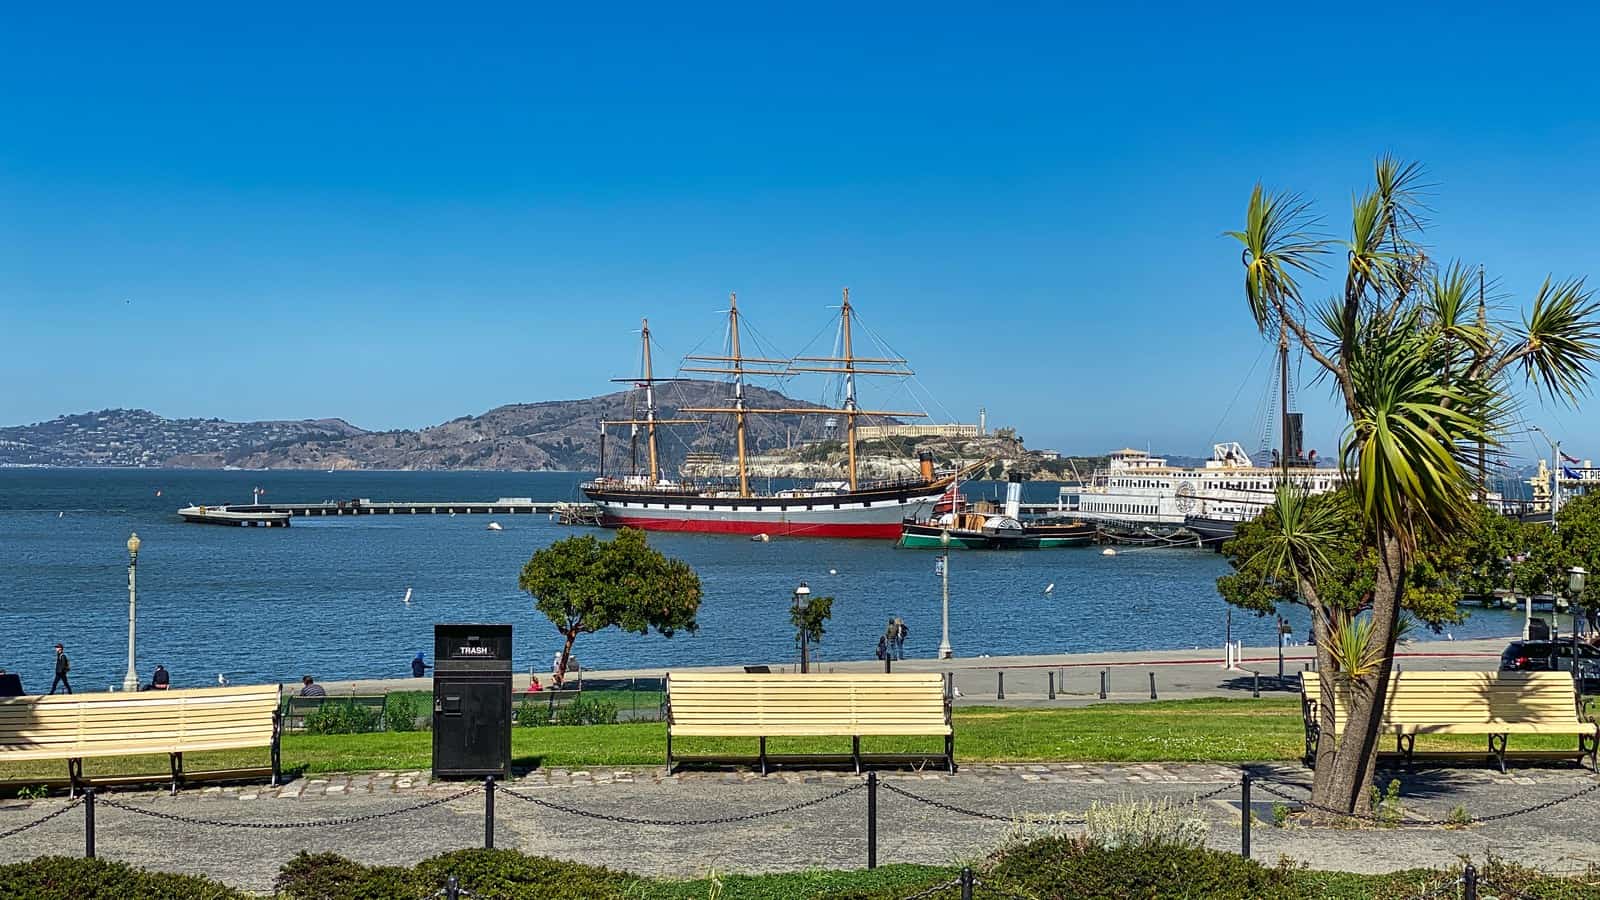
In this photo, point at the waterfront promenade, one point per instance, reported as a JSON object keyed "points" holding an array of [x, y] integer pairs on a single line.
{"points": [[1179, 674]]}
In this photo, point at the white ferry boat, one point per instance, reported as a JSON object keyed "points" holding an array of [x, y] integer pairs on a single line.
{"points": [[1139, 490]]}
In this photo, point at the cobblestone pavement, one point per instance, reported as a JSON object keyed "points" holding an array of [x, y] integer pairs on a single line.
{"points": [[827, 834]]}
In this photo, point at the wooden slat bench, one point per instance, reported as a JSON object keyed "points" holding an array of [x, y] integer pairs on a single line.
{"points": [[75, 727], [834, 705], [1495, 704]]}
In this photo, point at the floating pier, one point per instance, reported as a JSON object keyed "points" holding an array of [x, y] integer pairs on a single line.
{"points": [[281, 513], [237, 515]]}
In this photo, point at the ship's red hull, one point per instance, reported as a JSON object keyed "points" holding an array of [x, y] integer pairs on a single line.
{"points": [[884, 530]]}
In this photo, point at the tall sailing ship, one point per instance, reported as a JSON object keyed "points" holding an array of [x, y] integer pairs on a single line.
{"points": [[853, 508]]}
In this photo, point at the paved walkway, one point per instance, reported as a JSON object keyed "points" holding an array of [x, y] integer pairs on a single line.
{"points": [[1179, 674], [828, 834]]}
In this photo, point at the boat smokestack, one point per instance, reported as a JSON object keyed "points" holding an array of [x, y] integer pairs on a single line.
{"points": [[926, 458], [1013, 495]]}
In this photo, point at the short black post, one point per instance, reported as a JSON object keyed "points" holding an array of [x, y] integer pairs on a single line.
{"points": [[1051, 677], [488, 813], [1244, 814], [1469, 883], [452, 888], [999, 685], [1103, 674], [88, 823], [888, 664], [872, 820], [1255, 684], [1152, 685], [950, 685], [966, 883]]}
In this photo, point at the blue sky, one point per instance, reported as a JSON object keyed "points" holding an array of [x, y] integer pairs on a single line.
{"points": [[400, 216]]}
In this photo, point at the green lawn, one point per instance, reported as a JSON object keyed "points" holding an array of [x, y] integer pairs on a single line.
{"points": [[1170, 731]]}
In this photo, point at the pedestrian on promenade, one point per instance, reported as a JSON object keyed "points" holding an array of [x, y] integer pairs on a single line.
{"points": [[160, 680], [418, 666], [883, 646], [902, 632], [63, 666], [890, 633], [310, 688]]}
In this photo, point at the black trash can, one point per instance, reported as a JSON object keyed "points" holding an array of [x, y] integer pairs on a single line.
{"points": [[471, 701]]}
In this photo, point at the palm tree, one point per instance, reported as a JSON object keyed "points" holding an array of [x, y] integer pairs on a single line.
{"points": [[1420, 385]]}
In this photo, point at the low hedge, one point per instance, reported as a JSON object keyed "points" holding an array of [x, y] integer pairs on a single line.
{"points": [[74, 878], [488, 874]]}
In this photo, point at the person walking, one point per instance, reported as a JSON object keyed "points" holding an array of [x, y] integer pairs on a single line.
{"points": [[418, 666], [63, 666], [902, 631]]}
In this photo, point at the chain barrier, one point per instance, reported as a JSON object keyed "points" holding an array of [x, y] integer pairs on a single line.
{"points": [[961, 810], [680, 823], [1432, 823], [39, 821], [1217, 792], [277, 826]]}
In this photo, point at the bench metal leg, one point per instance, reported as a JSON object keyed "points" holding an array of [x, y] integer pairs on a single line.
{"points": [[763, 753], [1497, 746], [950, 753], [177, 771], [855, 753], [74, 776], [1588, 744], [1405, 745], [669, 748]]}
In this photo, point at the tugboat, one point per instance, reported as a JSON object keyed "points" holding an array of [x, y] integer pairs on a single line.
{"points": [[850, 509], [993, 529]]}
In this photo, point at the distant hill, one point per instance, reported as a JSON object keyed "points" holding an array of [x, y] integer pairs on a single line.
{"points": [[552, 435], [137, 437]]}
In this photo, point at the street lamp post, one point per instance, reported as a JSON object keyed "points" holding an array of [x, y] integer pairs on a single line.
{"points": [[130, 681], [945, 650], [802, 599]]}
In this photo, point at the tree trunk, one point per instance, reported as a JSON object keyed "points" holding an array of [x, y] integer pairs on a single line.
{"points": [[1321, 778], [566, 654], [1358, 746]]}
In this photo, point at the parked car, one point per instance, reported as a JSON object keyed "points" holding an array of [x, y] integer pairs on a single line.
{"points": [[1544, 656]]}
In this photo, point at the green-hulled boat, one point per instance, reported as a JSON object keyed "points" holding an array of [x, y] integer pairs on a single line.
{"points": [[994, 533]]}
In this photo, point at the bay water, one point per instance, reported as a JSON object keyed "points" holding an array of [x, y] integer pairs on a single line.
{"points": [[325, 596]]}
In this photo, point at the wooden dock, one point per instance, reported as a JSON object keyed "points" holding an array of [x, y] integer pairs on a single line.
{"points": [[505, 506]]}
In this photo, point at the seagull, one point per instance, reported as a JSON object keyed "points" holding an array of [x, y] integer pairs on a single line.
{"points": [[221, 678], [1050, 588], [407, 600], [61, 514], [833, 571]]}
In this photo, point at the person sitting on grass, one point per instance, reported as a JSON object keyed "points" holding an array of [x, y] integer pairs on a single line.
{"points": [[311, 688]]}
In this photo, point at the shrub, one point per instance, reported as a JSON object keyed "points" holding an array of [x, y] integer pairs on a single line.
{"points": [[488, 874], [70, 878], [531, 714], [586, 711], [341, 717], [401, 711], [1079, 868], [1144, 823]]}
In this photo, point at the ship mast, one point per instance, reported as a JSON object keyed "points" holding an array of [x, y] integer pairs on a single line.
{"points": [[650, 403], [1283, 399], [650, 421], [737, 365], [846, 365]]}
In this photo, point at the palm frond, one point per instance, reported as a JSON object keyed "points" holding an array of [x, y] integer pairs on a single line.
{"points": [[1304, 537], [1279, 239], [1560, 339]]}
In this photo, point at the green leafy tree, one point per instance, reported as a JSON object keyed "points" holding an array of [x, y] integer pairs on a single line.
{"points": [[811, 619], [584, 585], [1424, 377]]}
